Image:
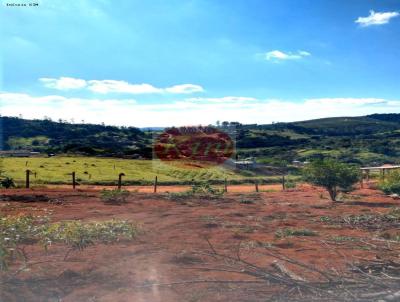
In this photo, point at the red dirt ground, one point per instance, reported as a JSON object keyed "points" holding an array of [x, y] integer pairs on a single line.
{"points": [[173, 242]]}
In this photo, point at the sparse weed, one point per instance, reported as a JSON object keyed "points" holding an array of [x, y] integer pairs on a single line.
{"points": [[115, 197], [367, 220], [208, 218], [18, 231], [265, 245], [250, 245], [268, 191], [394, 213], [351, 197], [179, 195], [210, 221], [248, 229], [205, 189], [344, 239], [202, 190], [287, 232], [78, 235], [275, 216], [247, 201], [325, 219]]}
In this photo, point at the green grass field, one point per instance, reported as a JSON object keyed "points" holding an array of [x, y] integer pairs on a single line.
{"points": [[104, 171]]}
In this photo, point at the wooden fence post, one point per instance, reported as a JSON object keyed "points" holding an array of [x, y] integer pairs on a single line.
{"points": [[283, 183], [27, 178], [155, 184], [120, 180], [73, 180], [226, 186]]}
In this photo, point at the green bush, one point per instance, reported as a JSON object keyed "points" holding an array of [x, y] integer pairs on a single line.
{"points": [[391, 184], [7, 182], [290, 184], [334, 176], [114, 196]]}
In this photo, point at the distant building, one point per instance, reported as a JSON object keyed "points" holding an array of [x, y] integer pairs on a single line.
{"points": [[299, 164], [245, 163]]}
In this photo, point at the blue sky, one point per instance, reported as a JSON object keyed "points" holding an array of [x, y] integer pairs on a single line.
{"points": [[158, 63]]}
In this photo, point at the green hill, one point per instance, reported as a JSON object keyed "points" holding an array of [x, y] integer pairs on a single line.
{"points": [[373, 139], [60, 137]]}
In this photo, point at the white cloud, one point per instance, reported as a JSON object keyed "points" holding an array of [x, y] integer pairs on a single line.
{"points": [[376, 18], [225, 99], [346, 101], [107, 86], [304, 53], [63, 83], [115, 86], [278, 55], [189, 111], [184, 89]]}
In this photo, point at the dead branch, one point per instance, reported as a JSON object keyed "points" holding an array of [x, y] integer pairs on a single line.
{"points": [[286, 272]]}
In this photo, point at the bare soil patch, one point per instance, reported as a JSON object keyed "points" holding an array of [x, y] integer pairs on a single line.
{"points": [[169, 259]]}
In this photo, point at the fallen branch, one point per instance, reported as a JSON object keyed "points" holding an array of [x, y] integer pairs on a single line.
{"points": [[286, 272]]}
